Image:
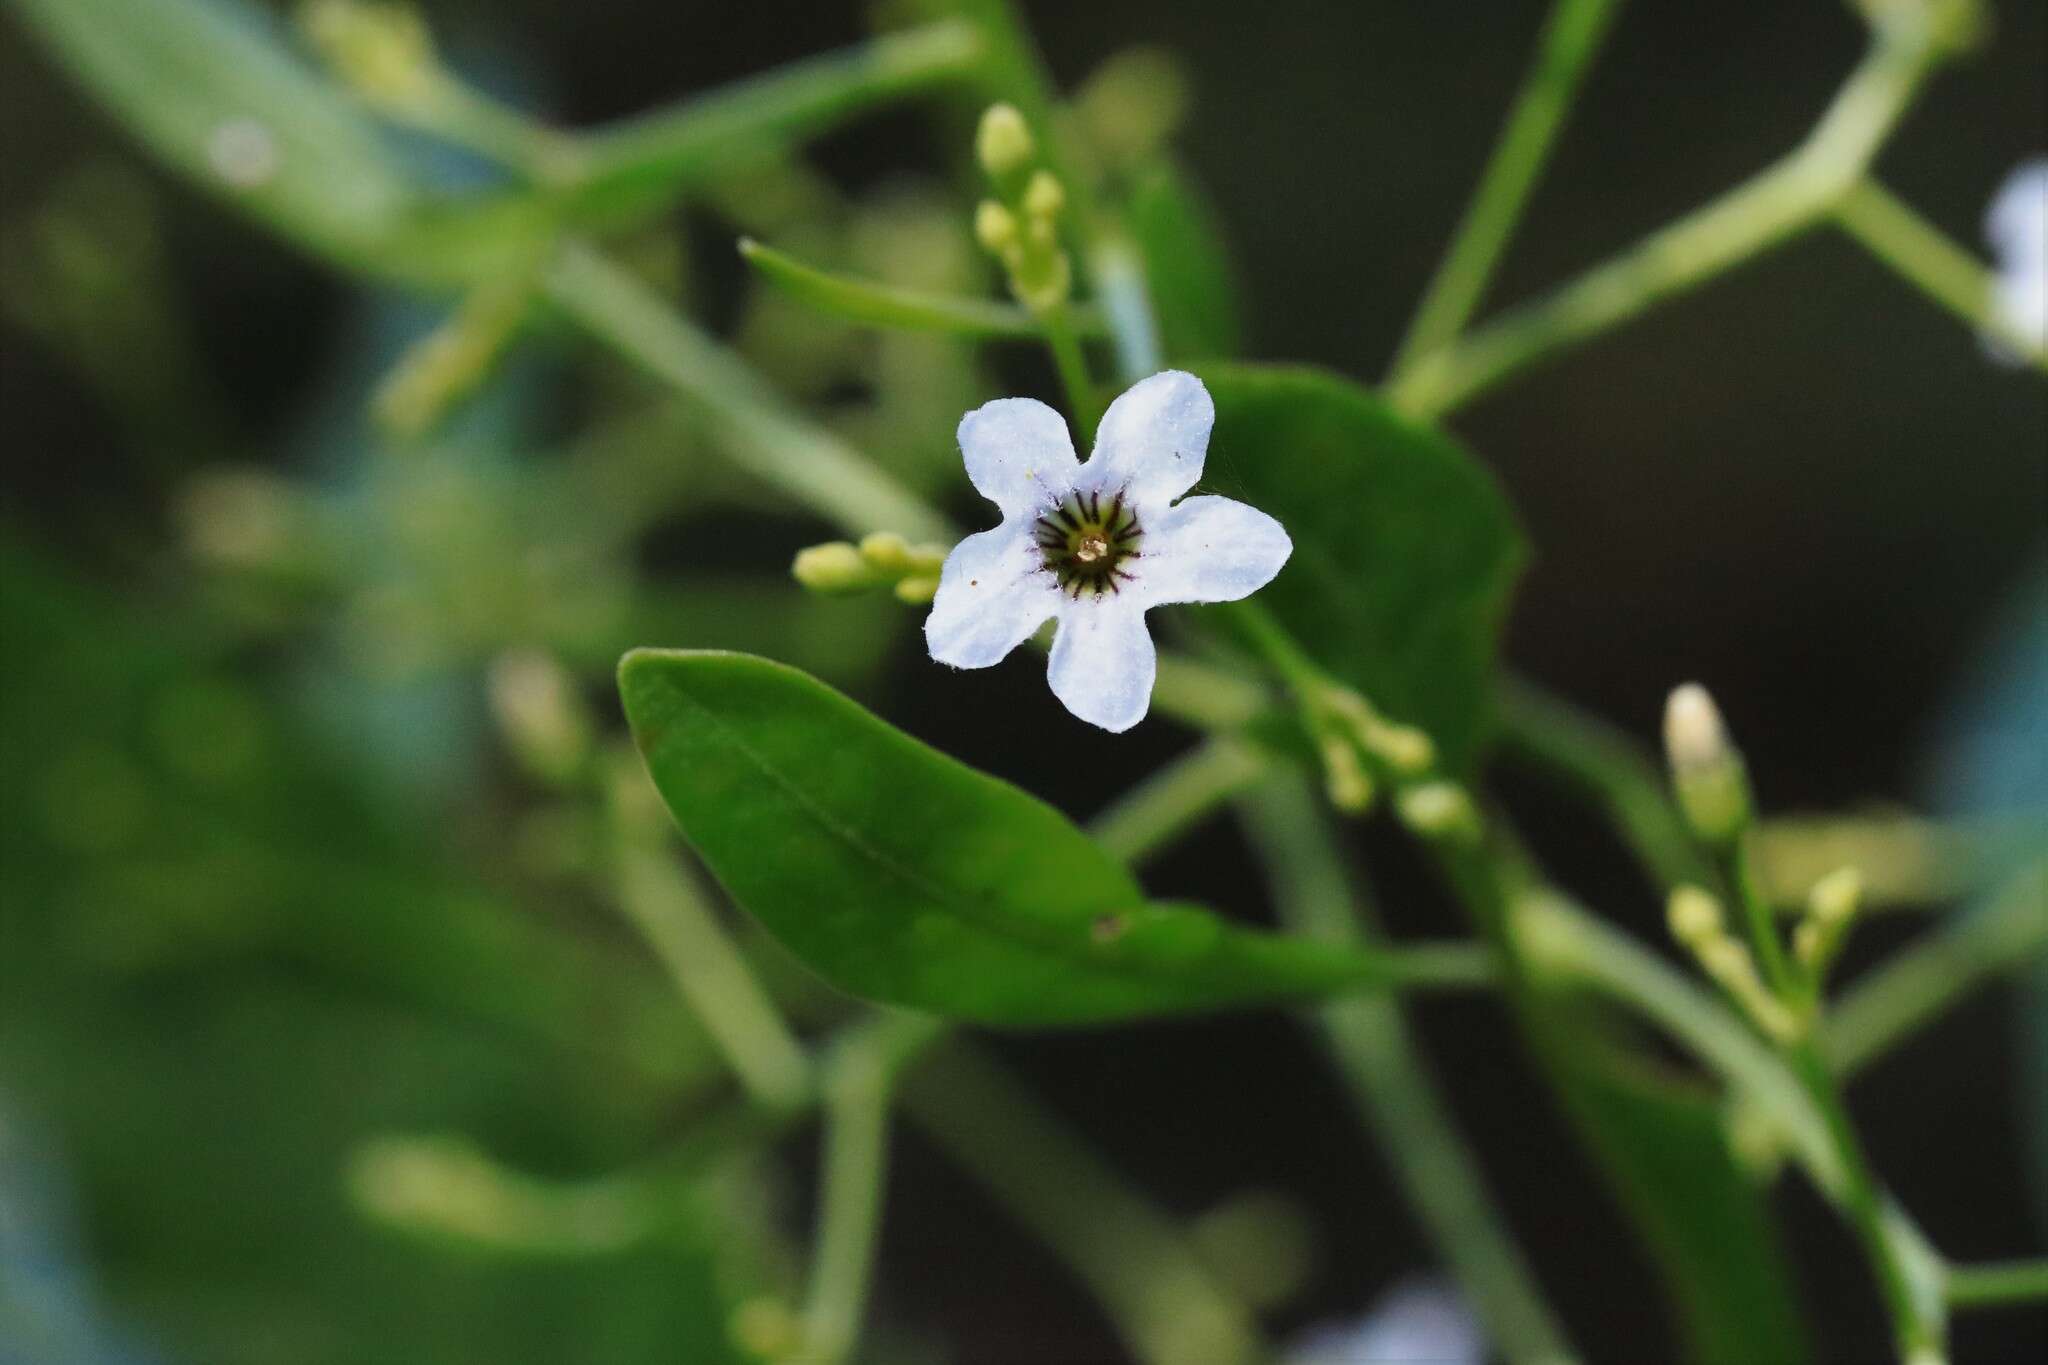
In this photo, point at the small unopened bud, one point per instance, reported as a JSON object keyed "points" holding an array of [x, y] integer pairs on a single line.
{"points": [[1045, 286], [888, 551], [536, 706], [1836, 897], [995, 227], [917, 590], [1044, 198], [383, 50], [1754, 1139], [1403, 748], [1694, 737], [1831, 908], [1344, 777], [1694, 916], [1002, 144], [1438, 810], [834, 566], [1809, 943], [1706, 772]]}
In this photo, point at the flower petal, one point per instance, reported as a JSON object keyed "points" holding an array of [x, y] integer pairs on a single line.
{"points": [[993, 592], [1018, 454], [1103, 662], [1153, 438], [1208, 549]]}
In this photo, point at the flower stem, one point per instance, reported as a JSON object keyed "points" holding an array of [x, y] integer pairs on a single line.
{"points": [[1787, 198], [1370, 1043], [712, 976], [1927, 259], [1169, 1307], [861, 1073], [637, 166], [1172, 800], [806, 462], [1999, 1282], [1584, 754], [1890, 1002], [1571, 38], [1072, 364]]}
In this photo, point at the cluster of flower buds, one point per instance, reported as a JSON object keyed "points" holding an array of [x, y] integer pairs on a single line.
{"points": [[1019, 225], [883, 559], [1355, 742], [1697, 921]]}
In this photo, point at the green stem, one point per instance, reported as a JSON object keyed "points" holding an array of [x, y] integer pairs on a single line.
{"points": [[1167, 1304], [637, 166], [1760, 921], [1917, 1327], [1072, 364], [1392, 1088], [861, 1074], [1606, 767], [1925, 257], [1571, 38], [1784, 200], [1891, 1002], [882, 305], [806, 462], [1172, 800], [2000, 1282], [1204, 696], [1801, 1098], [712, 976]]}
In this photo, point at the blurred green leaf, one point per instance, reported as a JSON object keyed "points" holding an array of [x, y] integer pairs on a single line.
{"points": [[881, 305], [226, 966], [209, 86], [898, 874], [1187, 266], [1665, 1146], [1405, 551]]}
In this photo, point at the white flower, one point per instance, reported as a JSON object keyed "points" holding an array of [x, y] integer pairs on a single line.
{"points": [[1417, 1322], [1095, 545], [2017, 225]]}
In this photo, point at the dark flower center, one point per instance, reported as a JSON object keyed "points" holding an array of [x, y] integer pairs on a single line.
{"points": [[1087, 541]]}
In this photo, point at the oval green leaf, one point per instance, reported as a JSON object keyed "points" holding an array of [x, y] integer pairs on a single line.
{"points": [[901, 875], [1405, 550]]}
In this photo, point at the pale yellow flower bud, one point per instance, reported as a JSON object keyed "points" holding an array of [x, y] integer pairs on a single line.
{"points": [[832, 567], [1694, 916], [1002, 144]]}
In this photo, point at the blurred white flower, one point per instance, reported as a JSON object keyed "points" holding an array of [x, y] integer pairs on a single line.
{"points": [[2017, 225], [1417, 1322], [1095, 545]]}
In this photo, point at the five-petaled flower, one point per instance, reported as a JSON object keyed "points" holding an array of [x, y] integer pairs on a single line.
{"points": [[1095, 544]]}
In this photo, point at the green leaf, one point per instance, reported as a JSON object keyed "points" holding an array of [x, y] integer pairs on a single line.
{"points": [[911, 310], [899, 874], [214, 93], [1405, 551], [1665, 1147], [1187, 267]]}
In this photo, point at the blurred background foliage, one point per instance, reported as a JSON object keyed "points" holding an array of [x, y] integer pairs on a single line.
{"points": [[322, 1034]]}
